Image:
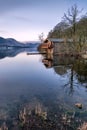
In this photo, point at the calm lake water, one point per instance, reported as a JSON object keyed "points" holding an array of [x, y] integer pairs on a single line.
{"points": [[39, 92]]}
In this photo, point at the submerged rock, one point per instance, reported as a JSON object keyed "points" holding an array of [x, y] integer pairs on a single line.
{"points": [[78, 105]]}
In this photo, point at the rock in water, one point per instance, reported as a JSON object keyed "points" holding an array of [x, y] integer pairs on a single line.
{"points": [[78, 105]]}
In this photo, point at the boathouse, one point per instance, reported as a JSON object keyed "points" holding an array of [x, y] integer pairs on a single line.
{"points": [[52, 45]]}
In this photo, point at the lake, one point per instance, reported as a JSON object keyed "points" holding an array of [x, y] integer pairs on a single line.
{"points": [[39, 92]]}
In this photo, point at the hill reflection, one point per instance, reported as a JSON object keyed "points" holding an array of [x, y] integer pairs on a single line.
{"points": [[12, 52], [61, 64]]}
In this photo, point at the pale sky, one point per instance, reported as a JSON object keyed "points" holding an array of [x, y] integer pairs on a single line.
{"points": [[24, 20]]}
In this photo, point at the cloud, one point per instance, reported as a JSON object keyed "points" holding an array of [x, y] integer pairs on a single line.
{"points": [[22, 18], [3, 32], [8, 5]]}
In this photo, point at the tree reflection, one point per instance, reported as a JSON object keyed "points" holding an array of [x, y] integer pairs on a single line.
{"points": [[81, 69], [70, 83], [63, 65]]}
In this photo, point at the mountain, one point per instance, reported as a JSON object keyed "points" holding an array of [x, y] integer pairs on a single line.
{"points": [[2, 40], [10, 42], [32, 44]]}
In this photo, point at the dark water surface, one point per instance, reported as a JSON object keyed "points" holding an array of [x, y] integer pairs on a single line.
{"points": [[40, 92]]}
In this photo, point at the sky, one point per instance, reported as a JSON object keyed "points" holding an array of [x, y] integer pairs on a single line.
{"points": [[25, 20]]}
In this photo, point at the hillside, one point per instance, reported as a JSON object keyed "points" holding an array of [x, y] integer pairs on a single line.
{"points": [[10, 42], [76, 32], [62, 30]]}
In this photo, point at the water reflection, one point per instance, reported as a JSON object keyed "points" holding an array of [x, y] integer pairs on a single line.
{"points": [[39, 92], [12, 52], [61, 64], [48, 61]]}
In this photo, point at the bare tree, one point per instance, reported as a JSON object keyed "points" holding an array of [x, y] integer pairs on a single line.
{"points": [[72, 17], [41, 37]]}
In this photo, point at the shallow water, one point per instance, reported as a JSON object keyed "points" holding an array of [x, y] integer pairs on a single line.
{"points": [[40, 92]]}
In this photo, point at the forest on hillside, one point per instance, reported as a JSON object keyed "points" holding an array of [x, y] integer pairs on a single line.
{"points": [[73, 26]]}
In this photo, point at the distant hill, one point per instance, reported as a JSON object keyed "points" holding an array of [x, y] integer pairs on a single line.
{"points": [[10, 42]]}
